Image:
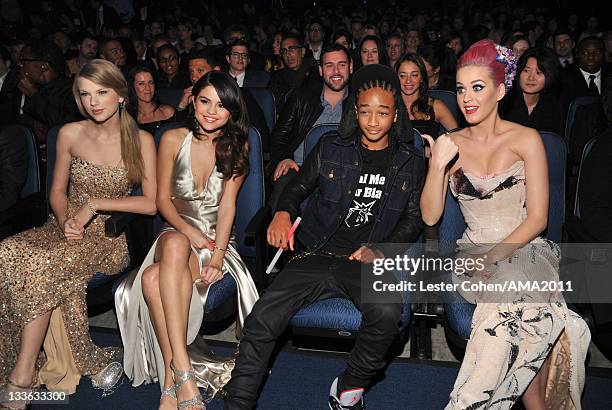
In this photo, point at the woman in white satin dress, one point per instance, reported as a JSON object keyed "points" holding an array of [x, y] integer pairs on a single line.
{"points": [[160, 308]]}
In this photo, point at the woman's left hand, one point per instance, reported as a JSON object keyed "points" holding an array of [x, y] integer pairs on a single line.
{"points": [[211, 274], [84, 214]]}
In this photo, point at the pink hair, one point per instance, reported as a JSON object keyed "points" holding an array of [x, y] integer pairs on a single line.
{"points": [[483, 53]]}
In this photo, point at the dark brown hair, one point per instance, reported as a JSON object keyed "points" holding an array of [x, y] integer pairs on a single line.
{"points": [[231, 152]]}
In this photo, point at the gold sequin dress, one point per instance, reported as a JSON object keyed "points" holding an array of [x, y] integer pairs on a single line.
{"points": [[41, 271]]}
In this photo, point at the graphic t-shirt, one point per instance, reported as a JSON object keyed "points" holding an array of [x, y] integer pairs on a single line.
{"points": [[357, 223]]}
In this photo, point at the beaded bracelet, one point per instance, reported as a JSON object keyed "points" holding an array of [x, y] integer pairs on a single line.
{"points": [[91, 209]]}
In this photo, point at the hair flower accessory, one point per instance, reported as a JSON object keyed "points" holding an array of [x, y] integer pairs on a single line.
{"points": [[506, 57]]}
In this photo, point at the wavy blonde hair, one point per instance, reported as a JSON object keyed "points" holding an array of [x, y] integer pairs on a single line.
{"points": [[107, 75]]}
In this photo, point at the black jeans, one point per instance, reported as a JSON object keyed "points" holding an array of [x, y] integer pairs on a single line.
{"points": [[301, 283]]}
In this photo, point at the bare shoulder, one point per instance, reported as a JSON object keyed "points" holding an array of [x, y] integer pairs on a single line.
{"points": [[174, 137], [74, 129], [459, 136], [146, 139], [437, 104], [167, 109], [521, 135], [175, 134], [73, 132]]}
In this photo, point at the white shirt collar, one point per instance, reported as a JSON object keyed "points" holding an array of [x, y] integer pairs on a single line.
{"points": [[239, 78], [597, 78], [2, 78]]}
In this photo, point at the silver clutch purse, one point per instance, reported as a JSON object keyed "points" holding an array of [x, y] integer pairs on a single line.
{"points": [[108, 379]]}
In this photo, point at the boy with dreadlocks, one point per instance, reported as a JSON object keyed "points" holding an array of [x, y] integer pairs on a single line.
{"points": [[363, 184]]}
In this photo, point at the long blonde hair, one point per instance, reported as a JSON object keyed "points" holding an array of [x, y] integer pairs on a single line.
{"points": [[106, 74]]}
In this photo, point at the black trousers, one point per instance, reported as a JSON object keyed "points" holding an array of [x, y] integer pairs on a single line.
{"points": [[301, 283]]}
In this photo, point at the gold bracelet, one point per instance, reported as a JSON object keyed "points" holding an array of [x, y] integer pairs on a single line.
{"points": [[217, 248], [91, 209]]}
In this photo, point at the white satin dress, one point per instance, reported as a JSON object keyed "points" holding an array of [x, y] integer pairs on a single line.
{"points": [[142, 358]]}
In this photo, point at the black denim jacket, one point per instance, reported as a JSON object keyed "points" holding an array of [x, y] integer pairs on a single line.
{"points": [[328, 179]]}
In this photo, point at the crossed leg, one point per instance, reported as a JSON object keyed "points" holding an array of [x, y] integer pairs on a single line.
{"points": [[167, 288]]}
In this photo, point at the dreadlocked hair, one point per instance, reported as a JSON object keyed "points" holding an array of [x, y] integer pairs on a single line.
{"points": [[400, 133], [377, 84]]}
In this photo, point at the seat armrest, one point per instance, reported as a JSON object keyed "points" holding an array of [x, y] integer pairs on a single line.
{"points": [[118, 222], [139, 233], [21, 207]]}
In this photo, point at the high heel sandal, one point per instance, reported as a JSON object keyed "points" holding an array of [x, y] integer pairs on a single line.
{"points": [[4, 395], [182, 377], [168, 391]]}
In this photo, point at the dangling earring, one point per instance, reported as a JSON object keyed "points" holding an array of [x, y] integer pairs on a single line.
{"points": [[121, 105], [196, 125]]}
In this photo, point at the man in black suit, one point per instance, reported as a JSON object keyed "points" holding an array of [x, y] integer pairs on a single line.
{"points": [[306, 107], [10, 96], [564, 47], [237, 56], [47, 90], [584, 78], [594, 194], [298, 72]]}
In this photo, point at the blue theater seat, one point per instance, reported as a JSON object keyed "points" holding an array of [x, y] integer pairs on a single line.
{"points": [[265, 100], [30, 209]]}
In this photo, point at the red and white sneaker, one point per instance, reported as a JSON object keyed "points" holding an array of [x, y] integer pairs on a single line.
{"points": [[346, 400]]}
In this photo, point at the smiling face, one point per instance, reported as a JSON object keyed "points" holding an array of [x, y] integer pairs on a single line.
{"points": [[335, 70], [531, 79], [209, 110], [376, 113], [477, 93], [144, 86], [100, 103], [168, 61], [369, 53], [410, 78]]}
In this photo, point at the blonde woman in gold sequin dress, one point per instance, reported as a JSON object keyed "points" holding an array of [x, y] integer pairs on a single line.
{"points": [[160, 308], [44, 271], [522, 345]]}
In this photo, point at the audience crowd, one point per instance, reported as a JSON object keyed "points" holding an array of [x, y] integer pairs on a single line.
{"points": [[303, 57]]}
